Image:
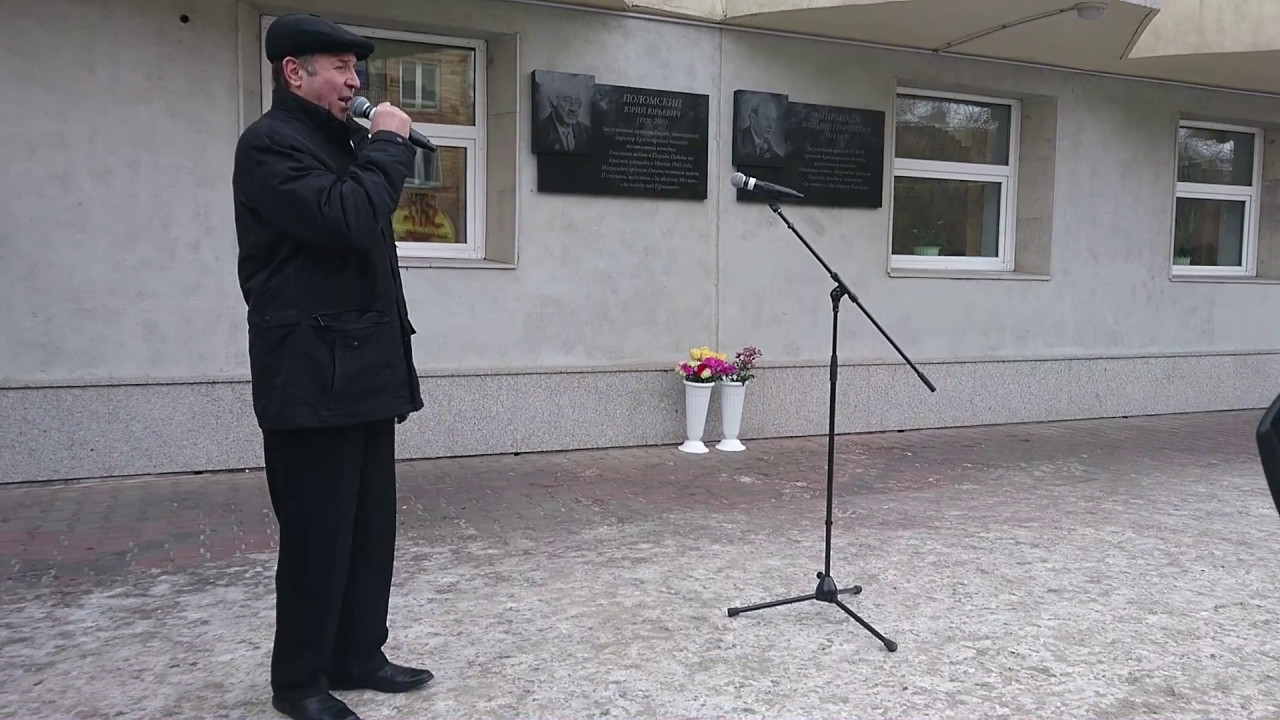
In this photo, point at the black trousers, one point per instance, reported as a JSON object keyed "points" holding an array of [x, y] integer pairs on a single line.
{"points": [[333, 491]]}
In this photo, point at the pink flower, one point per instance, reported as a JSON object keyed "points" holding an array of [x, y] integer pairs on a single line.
{"points": [[719, 368]]}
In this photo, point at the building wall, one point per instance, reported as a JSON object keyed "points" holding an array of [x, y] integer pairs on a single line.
{"points": [[124, 342]]}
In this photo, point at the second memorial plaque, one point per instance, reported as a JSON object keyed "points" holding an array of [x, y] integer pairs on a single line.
{"points": [[832, 155]]}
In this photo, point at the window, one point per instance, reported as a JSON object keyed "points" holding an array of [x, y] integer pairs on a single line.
{"points": [[439, 81], [953, 181], [1215, 223]]}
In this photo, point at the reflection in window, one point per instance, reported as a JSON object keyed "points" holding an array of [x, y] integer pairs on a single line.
{"points": [[419, 85], [948, 218], [952, 181], [1215, 157], [434, 84], [433, 207], [952, 130]]}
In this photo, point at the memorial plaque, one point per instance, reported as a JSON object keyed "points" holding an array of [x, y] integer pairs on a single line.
{"points": [[834, 156], [643, 142]]}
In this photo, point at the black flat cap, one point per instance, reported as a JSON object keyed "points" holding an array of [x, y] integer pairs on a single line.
{"points": [[301, 34]]}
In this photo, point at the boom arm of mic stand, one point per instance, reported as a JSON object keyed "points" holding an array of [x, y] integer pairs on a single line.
{"points": [[846, 291]]}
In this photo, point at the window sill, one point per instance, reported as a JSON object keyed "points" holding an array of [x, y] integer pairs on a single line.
{"points": [[468, 263], [964, 274], [1210, 278]]}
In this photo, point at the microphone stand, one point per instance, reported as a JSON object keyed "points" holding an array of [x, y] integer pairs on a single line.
{"points": [[827, 591]]}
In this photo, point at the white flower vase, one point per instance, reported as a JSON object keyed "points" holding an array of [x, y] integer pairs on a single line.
{"points": [[697, 399], [731, 396]]}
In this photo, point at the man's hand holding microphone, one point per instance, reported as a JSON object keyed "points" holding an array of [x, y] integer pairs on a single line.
{"points": [[389, 117]]}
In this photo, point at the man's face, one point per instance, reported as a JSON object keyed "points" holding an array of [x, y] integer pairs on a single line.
{"points": [[762, 120], [327, 80], [566, 108]]}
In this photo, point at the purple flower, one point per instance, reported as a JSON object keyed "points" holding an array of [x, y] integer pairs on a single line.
{"points": [[745, 360]]}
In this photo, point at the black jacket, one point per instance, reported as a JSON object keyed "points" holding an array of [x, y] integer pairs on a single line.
{"points": [[327, 323]]}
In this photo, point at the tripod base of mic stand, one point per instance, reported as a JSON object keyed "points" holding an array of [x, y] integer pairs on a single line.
{"points": [[826, 592]]}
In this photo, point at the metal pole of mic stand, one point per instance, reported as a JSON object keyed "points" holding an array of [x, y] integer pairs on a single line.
{"points": [[827, 590]]}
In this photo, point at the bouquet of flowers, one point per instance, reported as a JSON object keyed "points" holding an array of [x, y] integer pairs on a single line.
{"points": [[743, 364], [705, 366]]}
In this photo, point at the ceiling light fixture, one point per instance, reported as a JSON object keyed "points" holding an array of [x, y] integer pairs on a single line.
{"points": [[1090, 10]]}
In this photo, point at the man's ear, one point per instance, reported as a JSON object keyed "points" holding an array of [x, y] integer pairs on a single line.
{"points": [[292, 71], [296, 68]]}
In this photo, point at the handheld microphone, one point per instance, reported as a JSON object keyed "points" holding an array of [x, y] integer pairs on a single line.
{"points": [[362, 108], [739, 180]]}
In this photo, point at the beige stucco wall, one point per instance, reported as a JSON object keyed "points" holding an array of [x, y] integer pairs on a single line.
{"points": [[119, 250]]}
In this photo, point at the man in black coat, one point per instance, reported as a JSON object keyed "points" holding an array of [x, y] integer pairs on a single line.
{"points": [[330, 359]]}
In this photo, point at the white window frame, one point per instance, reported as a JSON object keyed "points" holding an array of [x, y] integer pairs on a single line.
{"points": [[471, 138], [1005, 175], [1249, 194]]}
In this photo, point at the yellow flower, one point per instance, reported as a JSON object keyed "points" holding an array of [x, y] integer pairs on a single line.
{"points": [[699, 354], [706, 373]]}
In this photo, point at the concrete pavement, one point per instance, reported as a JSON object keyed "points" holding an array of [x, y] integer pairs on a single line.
{"points": [[1114, 568]]}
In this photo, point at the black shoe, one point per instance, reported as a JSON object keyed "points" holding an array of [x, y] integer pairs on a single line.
{"points": [[316, 707], [390, 679]]}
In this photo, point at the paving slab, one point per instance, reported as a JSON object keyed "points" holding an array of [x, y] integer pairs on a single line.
{"points": [[1111, 569]]}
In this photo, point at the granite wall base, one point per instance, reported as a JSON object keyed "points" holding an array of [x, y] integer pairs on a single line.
{"points": [[94, 431]]}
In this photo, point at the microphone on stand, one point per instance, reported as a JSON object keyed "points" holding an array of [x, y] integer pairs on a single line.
{"points": [[362, 108], [746, 182]]}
